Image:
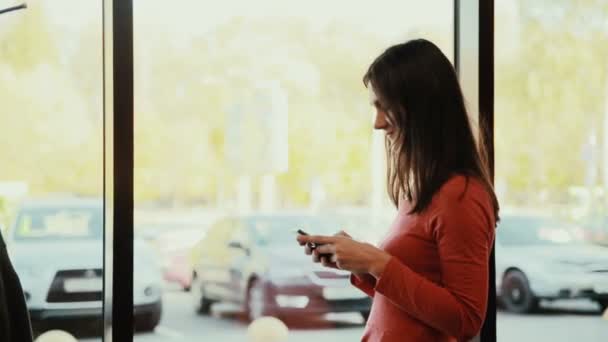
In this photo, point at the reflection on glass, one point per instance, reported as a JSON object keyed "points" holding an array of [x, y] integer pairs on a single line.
{"points": [[551, 141], [535, 231], [56, 246], [252, 121], [52, 176], [258, 260], [53, 222]]}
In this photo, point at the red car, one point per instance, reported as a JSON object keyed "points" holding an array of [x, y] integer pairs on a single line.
{"points": [[255, 262], [174, 248]]}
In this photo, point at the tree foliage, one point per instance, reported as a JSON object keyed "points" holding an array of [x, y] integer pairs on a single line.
{"points": [[550, 94]]}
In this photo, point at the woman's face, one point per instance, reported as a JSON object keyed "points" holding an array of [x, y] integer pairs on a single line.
{"points": [[383, 119]]}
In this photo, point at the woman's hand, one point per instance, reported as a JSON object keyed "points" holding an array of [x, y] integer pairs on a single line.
{"points": [[346, 253], [327, 261]]}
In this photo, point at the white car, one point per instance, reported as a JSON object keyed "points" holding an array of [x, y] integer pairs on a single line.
{"points": [[57, 250], [538, 259]]}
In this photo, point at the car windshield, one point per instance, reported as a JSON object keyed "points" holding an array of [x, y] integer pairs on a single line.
{"points": [[45, 224], [280, 231], [528, 231]]}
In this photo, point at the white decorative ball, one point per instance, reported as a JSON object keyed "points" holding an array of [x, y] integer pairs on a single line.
{"points": [[267, 329], [56, 336]]}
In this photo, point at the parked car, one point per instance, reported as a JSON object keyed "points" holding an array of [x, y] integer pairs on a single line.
{"points": [[596, 230], [255, 262], [57, 250], [174, 248], [539, 258]]}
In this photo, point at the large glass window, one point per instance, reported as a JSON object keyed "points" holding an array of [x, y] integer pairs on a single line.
{"points": [[552, 169], [252, 121], [52, 164]]}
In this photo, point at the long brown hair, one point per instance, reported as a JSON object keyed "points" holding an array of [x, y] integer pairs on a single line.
{"points": [[419, 89]]}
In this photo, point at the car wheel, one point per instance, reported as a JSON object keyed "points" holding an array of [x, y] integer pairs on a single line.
{"points": [[202, 304], [516, 294], [365, 315], [256, 301], [148, 321]]}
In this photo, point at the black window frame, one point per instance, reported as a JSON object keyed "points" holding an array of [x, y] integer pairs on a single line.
{"points": [[474, 61], [118, 170]]}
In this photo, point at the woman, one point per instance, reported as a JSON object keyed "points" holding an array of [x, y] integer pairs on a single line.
{"points": [[429, 276]]}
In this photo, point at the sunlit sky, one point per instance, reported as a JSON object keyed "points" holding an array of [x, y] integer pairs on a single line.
{"points": [[196, 16], [388, 19]]}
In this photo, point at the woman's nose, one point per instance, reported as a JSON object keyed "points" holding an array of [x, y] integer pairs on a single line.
{"points": [[380, 122]]}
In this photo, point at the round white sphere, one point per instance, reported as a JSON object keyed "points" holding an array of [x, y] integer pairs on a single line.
{"points": [[56, 336], [267, 329]]}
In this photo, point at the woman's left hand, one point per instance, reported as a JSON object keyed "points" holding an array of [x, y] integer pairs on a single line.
{"points": [[348, 254]]}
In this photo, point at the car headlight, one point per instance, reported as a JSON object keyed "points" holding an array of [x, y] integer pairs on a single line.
{"points": [[152, 291], [298, 302], [282, 277]]}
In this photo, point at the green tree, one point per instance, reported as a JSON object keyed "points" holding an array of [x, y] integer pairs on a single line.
{"points": [[550, 94]]}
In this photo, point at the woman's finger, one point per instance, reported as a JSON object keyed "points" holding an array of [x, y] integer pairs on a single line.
{"points": [[325, 262], [308, 250], [326, 249], [343, 233], [301, 243], [315, 256], [316, 239]]}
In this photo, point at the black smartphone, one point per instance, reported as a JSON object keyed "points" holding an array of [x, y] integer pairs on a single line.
{"points": [[312, 245]]}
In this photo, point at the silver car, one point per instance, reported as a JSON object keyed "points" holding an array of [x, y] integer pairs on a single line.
{"points": [[57, 250], [538, 258]]}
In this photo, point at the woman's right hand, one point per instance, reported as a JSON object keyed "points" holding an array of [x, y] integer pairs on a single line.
{"points": [[327, 261]]}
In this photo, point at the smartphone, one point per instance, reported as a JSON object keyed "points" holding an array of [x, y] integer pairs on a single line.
{"points": [[312, 245]]}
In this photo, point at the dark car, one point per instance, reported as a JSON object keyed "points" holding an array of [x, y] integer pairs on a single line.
{"points": [[255, 261]]}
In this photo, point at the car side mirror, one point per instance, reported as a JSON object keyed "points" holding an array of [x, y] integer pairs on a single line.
{"points": [[238, 245]]}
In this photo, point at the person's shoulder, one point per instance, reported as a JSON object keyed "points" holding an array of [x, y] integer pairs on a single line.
{"points": [[460, 186], [462, 190], [463, 202]]}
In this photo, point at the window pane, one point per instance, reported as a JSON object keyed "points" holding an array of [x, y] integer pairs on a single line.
{"points": [[552, 169], [252, 121], [52, 174]]}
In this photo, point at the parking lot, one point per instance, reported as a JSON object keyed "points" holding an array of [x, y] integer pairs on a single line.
{"points": [[560, 322]]}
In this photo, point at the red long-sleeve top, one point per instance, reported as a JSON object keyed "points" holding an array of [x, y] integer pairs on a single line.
{"points": [[435, 286]]}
